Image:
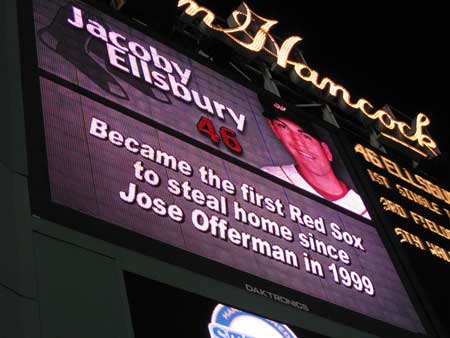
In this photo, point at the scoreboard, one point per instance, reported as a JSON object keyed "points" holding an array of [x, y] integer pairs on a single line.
{"points": [[415, 211], [144, 146]]}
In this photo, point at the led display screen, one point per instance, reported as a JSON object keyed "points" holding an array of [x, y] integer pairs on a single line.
{"points": [[92, 51], [146, 147], [115, 168], [416, 212]]}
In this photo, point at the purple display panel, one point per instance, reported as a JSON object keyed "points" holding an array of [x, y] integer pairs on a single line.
{"points": [[177, 92], [89, 49], [117, 169]]}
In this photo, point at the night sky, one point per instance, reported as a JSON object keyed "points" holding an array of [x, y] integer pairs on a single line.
{"points": [[387, 54]]}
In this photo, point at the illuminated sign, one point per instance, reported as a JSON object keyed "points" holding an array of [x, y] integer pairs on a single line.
{"points": [[230, 322], [423, 209], [416, 213], [138, 178], [149, 79], [251, 32], [148, 148]]}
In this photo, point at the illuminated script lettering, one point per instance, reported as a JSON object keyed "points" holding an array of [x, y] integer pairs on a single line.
{"points": [[430, 225], [404, 174], [419, 199], [380, 179], [251, 33], [439, 252], [393, 207], [409, 238]]}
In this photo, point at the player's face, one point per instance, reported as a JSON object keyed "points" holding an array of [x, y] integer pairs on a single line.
{"points": [[309, 154]]}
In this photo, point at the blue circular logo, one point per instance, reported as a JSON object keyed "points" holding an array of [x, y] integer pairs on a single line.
{"points": [[228, 322]]}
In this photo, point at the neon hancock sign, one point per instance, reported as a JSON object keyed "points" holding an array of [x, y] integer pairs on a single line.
{"points": [[251, 33]]}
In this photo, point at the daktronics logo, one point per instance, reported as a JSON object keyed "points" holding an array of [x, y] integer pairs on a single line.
{"points": [[251, 34], [228, 322], [276, 297]]}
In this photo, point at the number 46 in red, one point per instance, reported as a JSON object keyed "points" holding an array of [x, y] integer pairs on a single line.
{"points": [[228, 136]]}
